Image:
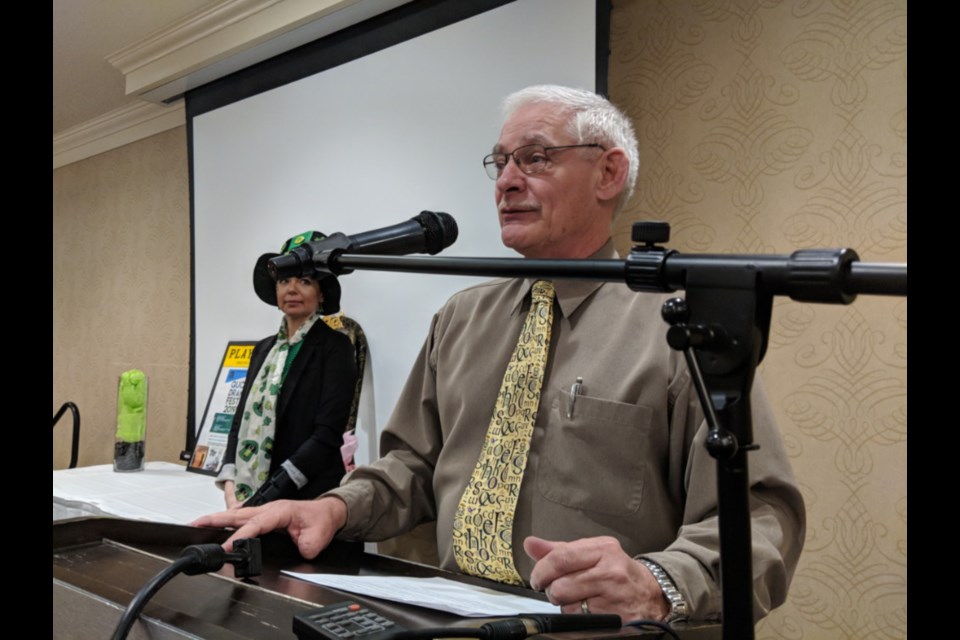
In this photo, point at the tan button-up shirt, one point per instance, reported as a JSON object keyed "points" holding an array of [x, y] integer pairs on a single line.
{"points": [[627, 462]]}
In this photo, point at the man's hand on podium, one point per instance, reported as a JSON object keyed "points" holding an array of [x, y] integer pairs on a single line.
{"points": [[311, 524], [595, 575]]}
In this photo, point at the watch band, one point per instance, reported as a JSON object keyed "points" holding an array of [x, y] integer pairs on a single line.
{"points": [[678, 606]]}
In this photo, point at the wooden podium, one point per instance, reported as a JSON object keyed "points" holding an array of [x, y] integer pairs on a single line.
{"points": [[99, 564]]}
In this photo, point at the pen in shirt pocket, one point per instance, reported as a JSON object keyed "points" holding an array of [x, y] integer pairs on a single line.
{"points": [[575, 389]]}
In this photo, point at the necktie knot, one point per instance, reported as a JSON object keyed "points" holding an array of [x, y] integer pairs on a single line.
{"points": [[542, 292]]}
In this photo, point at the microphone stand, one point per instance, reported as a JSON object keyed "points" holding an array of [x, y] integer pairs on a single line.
{"points": [[722, 327]]}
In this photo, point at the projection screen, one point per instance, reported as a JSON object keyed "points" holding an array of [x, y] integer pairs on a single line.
{"points": [[363, 145]]}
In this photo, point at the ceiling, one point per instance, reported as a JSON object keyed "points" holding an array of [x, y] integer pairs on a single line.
{"points": [[158, 49], [85, 32]]}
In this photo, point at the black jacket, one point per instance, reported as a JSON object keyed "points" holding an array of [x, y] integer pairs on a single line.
{"points": [[312, 408]]}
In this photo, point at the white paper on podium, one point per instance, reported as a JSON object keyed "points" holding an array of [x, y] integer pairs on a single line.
{"points": [[434, 593]]}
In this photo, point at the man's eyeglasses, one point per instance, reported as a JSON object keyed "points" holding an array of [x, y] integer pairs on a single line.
{"points": [[531, 158]]}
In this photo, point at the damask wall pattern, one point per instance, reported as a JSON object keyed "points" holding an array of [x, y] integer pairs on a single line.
{"points": [[121, 293], [769, 126]]}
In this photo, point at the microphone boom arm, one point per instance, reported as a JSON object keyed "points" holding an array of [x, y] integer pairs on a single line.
{"points": [[855, 277]]}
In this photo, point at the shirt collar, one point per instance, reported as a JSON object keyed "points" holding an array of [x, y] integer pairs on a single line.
{"points": [[570, 293]]}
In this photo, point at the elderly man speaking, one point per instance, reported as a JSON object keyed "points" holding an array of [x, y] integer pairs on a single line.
{"points": [[605, 497]]}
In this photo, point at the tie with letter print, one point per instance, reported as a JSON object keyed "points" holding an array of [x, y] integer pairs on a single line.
{"points": [[483, 524]]}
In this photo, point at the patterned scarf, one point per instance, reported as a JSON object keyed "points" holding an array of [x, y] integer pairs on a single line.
{"points": [[257, 428]]}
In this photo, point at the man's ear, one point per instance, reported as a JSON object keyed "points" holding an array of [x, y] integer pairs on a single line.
{"points": [[613, 174]]}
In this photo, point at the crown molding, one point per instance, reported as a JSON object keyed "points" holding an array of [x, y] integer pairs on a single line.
{"points": [[220, 39], [114, 129], [206, 45]]}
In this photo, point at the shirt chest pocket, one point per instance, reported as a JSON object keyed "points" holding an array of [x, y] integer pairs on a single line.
{"points": [[594, 460]]}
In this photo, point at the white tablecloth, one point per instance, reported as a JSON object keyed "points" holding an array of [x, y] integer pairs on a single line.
{"points": [[162, 492]]}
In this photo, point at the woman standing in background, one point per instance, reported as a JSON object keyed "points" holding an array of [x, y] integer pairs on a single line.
{"points": [[285, 440]]}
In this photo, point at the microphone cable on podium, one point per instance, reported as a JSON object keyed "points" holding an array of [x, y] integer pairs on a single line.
{"points": [[525, 625], [517, 627], [653, 624], [246, 559]]}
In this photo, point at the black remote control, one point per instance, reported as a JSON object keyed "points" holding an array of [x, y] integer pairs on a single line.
{"points": [[344, 621]]}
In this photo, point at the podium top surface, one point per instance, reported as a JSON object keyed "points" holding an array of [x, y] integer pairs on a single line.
{"points": [[111, 559]]}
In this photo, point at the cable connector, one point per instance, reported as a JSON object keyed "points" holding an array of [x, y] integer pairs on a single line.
{"points": [[246, 558]]}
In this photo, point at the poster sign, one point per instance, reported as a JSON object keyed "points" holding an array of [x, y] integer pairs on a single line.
{"points": [[223, 403]]}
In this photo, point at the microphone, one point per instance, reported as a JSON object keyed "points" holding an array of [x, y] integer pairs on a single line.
{"points": [[430, 232]]}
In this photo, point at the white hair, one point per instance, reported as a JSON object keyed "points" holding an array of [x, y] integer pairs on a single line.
{"points": [[593, 119]]}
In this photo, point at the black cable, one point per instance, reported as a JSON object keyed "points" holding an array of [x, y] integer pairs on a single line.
{"points": [[662, 626], [146, 592], [193, 560], [518, 627], [440, 632]]}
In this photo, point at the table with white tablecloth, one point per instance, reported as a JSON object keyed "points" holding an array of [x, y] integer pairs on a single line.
{"points": [[161, 492]]}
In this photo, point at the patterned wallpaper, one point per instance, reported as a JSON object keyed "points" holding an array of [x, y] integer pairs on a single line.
{"points": [[768, 126], [121, 293]]}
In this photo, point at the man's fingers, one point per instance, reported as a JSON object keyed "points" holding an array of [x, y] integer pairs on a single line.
{"points": [[311, 524], [220, 520], [596, 575], [563, 559], [250, 530], [536, 547], [250, 522], [559, 560]]}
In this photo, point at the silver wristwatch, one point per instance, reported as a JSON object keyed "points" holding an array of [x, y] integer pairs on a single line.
{"points": [[678, 606]]}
